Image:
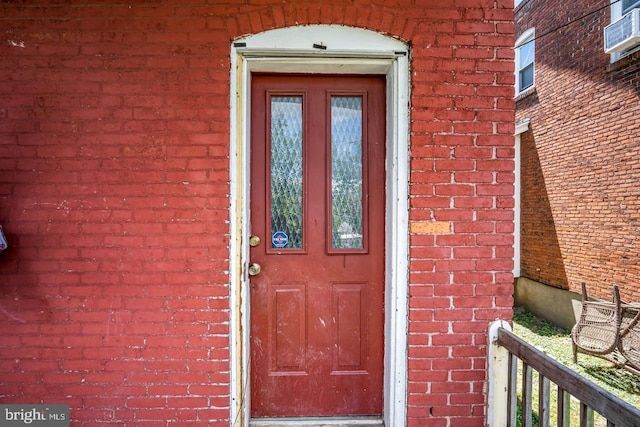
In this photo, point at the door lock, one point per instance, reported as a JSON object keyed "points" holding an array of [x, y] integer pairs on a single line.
{"points": [[254, 241], [254, 269]]}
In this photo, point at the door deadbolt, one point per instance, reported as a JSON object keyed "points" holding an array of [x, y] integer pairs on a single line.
{"points": [[254, 241], [254, 269]]}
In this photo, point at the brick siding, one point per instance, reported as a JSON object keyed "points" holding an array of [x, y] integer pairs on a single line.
{"points": [[114, 183], [581, 157]]}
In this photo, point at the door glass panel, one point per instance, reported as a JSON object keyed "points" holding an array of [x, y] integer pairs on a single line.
{"points": [[286, 172], [346, 172]]}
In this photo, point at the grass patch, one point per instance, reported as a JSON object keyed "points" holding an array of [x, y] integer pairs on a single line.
{"points": [[556, 342]]}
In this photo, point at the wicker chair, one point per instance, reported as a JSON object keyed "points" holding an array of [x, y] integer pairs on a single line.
{"points": [[629, 336], [597, 330]]}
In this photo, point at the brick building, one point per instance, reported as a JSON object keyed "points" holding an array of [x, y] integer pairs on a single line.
{"points": [[580, 153], [142, 144]]}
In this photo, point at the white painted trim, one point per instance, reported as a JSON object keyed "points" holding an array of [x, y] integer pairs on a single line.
{"points": [[521, 126], [358, 52], [330, 39], [498, 377], [397, 238], [517, 184]]}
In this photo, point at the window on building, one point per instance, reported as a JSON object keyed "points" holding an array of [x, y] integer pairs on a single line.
{"points": [[620, 8], [525, 55], [627, 5]]}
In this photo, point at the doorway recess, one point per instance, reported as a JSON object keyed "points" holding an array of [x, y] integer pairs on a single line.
{"points": [[323, 49]]}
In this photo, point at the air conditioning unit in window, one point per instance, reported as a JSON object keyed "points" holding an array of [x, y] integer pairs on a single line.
{"points": [[624, 33]]}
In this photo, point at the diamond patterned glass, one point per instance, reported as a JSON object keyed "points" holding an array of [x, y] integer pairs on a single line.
{"points": [[286, 172], [346, 172]]}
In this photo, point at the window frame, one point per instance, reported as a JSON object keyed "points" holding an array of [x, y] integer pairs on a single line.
{"points": [[527, 37], [616, 13]]}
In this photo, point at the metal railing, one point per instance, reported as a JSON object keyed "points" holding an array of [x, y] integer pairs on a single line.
{"points": [[514, 366]]}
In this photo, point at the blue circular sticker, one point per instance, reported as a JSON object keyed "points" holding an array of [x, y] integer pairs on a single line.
{"points": [[279, 239]]}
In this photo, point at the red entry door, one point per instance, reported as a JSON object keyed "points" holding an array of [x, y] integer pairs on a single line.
{"points": [[317, 206]]}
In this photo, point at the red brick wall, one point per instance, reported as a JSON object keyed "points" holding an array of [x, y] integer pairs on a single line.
{"points": [[114, 145], [540, 255], [581, 157]]}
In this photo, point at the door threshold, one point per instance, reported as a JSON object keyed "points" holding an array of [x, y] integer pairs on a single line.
{"points": [[317, 422]]}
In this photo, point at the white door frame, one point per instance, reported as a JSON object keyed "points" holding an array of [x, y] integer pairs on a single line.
{"points": [[336, 50]]}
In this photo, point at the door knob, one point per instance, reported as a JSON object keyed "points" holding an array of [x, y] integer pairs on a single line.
{"points": [[254, 269]]}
